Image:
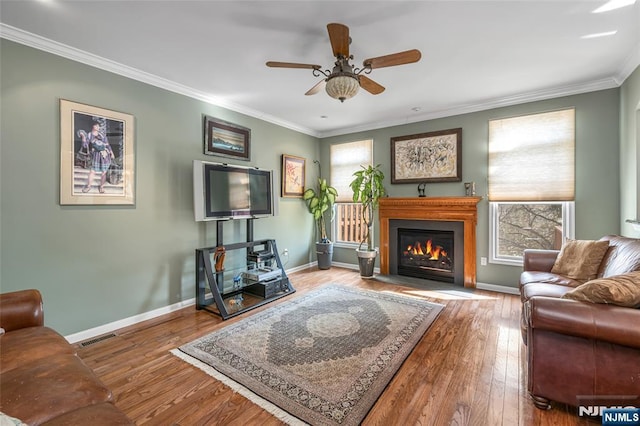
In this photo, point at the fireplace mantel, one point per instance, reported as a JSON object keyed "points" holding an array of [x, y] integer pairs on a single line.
{"points": [[461, 209]]}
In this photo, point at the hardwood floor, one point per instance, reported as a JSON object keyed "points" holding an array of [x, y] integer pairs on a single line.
{"points": [[468, 369]]}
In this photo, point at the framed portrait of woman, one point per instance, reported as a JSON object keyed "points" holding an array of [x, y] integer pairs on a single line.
{"points": [[97, 163]]}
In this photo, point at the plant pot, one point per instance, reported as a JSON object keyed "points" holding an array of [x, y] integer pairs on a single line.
{"points": [[324, 252], [366, 262]]}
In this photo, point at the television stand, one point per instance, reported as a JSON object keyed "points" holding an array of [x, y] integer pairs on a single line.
{"points": [[239, 277]]}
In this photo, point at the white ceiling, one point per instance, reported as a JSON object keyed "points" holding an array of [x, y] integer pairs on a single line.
{"points": [[476, 54]]}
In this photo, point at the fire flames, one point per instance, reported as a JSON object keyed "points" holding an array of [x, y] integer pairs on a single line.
{"points": [[434, 253]]}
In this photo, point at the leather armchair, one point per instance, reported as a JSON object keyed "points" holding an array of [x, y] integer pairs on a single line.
{"points": [[42, 380]]}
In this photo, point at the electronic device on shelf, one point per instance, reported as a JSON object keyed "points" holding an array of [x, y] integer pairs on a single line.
{"points": [[269, 288], [261, 256], [261, 274]]}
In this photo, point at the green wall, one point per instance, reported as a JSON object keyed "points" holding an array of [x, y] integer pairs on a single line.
{"points": [[630, 152], [94, 264], [97, 265], [597, 159]]}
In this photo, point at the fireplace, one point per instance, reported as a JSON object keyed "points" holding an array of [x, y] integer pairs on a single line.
{"points": [[443, 210], [428, 249], [426, 254]]}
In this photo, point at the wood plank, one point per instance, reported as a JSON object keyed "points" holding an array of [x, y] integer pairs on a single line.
{"points": [[468, 369]]}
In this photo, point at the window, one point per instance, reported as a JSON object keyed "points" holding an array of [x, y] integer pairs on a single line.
{"points": [[347, 158], [531, 183], [519, 226]]}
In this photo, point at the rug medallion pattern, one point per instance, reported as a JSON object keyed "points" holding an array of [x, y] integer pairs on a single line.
{"points": [[325, 357]]}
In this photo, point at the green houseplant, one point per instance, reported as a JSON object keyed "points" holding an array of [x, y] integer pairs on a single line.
{"points": [[320, 201], [368, 188]]}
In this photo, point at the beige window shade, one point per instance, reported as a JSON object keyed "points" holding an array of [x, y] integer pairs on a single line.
{"points": [[346, 158], [532, 158]]}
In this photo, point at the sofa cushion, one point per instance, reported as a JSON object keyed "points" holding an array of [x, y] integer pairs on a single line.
{"points": [[529, 277], [24, 345], [42, 390], [621, 290], [543, 289], [580, 259], [623, 256]]}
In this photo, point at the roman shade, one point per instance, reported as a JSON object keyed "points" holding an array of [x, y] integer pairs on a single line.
{"points": [[346, 159], [532, 157]]}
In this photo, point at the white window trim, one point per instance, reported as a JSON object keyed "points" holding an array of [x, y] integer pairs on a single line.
{"points": [[568, 229], [344, 244]]}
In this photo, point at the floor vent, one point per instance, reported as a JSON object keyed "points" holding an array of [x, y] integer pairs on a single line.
{"points": [[97, 339]]}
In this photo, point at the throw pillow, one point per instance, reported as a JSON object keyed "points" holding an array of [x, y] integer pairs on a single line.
{"points": [[580, 259], [621, 290]]}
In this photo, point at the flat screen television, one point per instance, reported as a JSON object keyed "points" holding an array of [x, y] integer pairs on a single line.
{"points": [[224, 191]]}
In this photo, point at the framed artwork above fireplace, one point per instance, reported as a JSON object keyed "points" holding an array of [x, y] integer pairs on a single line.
{"points": [[427, 157]]}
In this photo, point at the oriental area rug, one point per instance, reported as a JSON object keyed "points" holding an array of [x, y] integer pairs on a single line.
{"points": [[321, 359]]}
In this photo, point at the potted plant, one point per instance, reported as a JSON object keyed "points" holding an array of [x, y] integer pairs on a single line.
{"points": [[320, 201], [367, 187]]}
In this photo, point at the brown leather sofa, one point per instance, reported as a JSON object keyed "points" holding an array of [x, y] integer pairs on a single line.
{"points": [[580, 353], [42, 380]]}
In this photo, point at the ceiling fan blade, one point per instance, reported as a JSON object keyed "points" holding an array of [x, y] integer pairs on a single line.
{"points": [[315, 89], [400, 58], [274, 64], [370, 86], [339, 37]]}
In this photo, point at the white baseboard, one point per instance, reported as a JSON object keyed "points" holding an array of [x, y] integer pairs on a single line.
{"points": [[301, 267], [352, 266], [497, 288], [116, 325]]}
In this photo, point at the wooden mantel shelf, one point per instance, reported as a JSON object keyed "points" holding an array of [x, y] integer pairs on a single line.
{"points": [[460, 209]]}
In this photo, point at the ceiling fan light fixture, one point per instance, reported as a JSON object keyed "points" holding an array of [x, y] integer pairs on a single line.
{"points": [[342, 86], [344, 81]]}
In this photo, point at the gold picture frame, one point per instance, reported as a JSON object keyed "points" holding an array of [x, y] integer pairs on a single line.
{"points": [[427, 157], [293, 175], [97, 161]]}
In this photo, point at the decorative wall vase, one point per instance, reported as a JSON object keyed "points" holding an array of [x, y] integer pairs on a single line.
{"points": [[218, 258]]}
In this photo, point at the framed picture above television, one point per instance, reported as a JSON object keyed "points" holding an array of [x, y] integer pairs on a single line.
{"points": [[225, 139]]}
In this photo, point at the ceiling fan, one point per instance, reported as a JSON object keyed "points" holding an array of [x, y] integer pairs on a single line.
{"points": [[344, 80]]}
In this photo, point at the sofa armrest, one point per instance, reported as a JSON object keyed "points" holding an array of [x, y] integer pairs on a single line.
{"points": [[21, 309], [608, 323], [539, 260]]}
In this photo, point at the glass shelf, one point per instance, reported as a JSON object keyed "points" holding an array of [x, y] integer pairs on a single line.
{"points": [[248, 277]]}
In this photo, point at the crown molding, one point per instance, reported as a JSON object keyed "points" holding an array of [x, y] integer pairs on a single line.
{"points": [[32, 40], [631, 63], [540, 95], [37, 42]]}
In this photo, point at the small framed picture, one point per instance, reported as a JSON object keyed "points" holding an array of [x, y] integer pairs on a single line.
{"points": [[97, 164], [427, 157], [293, 171], [226, 139]]}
